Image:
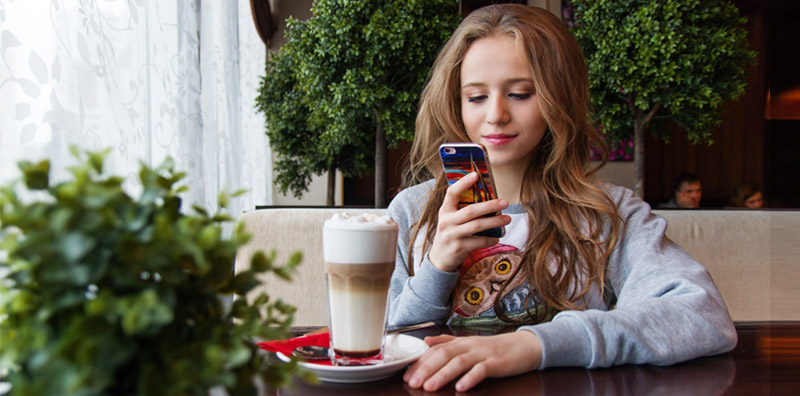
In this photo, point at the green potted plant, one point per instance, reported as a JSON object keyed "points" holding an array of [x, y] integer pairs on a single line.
{"points": [[345, 87], [104, 293], [654, 62]]}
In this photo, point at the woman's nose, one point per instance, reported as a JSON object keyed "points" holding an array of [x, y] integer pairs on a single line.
{"points": [[498, 112]]}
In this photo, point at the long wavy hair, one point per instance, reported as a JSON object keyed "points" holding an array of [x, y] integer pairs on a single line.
{"points": [[565, 252]]}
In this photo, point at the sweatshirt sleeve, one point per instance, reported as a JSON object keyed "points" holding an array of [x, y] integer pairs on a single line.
{"points": [[426, 295], [667, 310]]}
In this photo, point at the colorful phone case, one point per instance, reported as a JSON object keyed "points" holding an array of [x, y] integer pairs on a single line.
{"points": [[460, 159]]}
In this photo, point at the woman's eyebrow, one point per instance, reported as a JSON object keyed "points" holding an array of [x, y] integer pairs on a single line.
{"points": [[509, 81], [473, 84]]}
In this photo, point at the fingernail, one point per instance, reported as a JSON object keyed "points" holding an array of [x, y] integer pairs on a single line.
{"points": [[415, 382], [431, 385]]}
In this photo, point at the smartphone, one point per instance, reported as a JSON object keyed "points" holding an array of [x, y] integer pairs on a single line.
{"points": [[461, 159]]}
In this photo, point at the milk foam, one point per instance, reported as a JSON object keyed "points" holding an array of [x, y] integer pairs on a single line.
{"points": [[360, 239], [365, 221]]}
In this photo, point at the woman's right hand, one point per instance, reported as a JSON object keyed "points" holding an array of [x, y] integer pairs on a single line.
{"points": [[455, 231]]}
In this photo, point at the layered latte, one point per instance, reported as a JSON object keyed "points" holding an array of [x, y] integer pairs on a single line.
{"points": [[359, 254]]}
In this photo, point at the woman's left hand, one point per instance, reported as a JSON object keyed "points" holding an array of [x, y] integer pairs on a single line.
{"points": [[479, 357]]}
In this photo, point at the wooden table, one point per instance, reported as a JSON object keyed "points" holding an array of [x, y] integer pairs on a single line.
{"points": [[765, 362]]}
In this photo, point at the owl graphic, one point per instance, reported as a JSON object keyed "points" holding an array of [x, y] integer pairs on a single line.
{"points": [[487, 275]]}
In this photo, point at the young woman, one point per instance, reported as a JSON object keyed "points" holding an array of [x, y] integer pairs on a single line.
{"points": [[584, 267]]}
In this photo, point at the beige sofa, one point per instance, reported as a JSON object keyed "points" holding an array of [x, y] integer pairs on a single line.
{"points": [[753, 256]]}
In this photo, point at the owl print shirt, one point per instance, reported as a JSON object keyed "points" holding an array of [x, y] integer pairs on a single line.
{"points": [[491, 274]]}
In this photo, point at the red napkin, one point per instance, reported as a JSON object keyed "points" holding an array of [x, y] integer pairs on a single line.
{"points": [[287, 346]]}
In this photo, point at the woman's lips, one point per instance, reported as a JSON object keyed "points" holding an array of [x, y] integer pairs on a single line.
{"points": [[498, 139]]}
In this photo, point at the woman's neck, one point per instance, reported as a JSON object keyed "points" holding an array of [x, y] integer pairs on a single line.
{"points": [[508, 183]]}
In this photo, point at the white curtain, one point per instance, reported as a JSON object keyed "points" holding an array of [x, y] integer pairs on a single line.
{"points": [[147, 78]]}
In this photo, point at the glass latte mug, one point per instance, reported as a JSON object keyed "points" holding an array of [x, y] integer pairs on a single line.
{"points": [[359, 254]]}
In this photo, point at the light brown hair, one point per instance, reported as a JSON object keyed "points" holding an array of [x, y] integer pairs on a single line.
{"points": [[567, 211]]}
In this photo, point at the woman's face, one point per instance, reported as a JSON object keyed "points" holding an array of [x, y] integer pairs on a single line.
{"points": [[499, 106], [755, 202]]}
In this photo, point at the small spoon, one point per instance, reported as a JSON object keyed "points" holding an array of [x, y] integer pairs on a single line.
{"points": [[311, 352], [314, 352]]}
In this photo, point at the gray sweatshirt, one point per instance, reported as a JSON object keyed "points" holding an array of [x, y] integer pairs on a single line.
{"points": [[664, 308]]}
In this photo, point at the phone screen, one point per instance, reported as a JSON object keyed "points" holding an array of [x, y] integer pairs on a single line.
{"points": [[461, 159]]}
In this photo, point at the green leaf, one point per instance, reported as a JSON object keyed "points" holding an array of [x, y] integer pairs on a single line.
{"points": [[244, 282], [260, 262], [222, 217], [209, 236], [200, 210], [144, 313], [238, 356], [96, 159], [75, 245], [36, 175], [223, 199], [295, 259]]}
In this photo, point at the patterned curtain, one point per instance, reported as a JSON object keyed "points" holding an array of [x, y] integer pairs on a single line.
{"points": [[149, 79]]}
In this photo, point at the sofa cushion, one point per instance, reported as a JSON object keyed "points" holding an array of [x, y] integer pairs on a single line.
{"points": [[751, 255], [734, 248]]}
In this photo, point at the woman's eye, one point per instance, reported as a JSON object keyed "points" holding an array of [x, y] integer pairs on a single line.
{"points": [[520, 96], [476, 98]]}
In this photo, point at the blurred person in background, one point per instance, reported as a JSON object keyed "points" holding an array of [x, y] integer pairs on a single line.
{"points": [[687, 191], [747, 195]]}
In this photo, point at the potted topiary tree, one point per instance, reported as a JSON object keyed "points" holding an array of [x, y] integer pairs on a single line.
{"points": [[104, 293], [653, 62], [345, 86]]}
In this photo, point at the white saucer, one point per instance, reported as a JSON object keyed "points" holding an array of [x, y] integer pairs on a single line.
{"points": [[400, 351]]}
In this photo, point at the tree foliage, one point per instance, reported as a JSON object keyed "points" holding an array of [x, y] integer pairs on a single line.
{"points": [[104, 293], [659, 61], [354, 68]]}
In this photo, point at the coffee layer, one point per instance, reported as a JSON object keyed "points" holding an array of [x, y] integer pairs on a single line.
{"points": [[359, 278], [357, 354]]}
